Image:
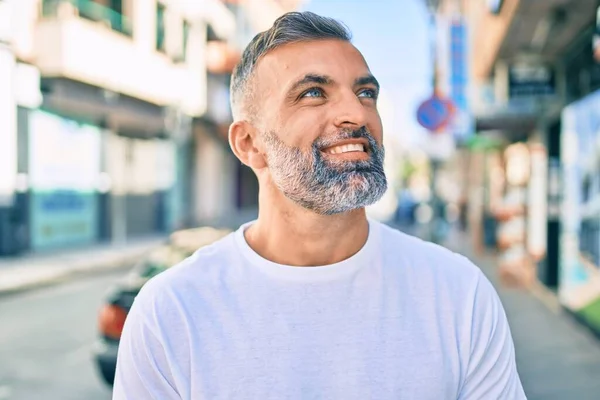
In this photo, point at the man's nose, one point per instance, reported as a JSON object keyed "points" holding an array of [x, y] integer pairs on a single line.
{"points": [[350, 112]]}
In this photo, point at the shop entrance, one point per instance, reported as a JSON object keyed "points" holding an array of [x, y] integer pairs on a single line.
{"points": [[548, 269]]}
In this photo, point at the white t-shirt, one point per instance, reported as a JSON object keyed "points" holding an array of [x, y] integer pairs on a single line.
{"points": [[401, 319]]}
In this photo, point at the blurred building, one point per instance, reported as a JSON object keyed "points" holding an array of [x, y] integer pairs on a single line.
{"points": [[116, 126], [449, 105], [537, 75], [224, 185], [385, 208]]}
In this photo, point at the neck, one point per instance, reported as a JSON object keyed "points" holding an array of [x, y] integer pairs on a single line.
{"points": [[288, 234]]}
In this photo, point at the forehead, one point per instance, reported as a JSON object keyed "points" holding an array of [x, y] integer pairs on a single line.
{"points": [[336, 58]]}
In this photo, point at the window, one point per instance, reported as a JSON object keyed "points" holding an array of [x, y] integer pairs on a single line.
{"points": [[581, 71], [117, 5], [108, 12], [118, 20], [160, 27], [186, 38], [495, 6]]}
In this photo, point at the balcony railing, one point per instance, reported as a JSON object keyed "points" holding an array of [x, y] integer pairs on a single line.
{"points": [[89, 10]]}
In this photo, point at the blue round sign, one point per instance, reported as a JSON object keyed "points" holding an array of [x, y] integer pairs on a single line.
{"points": [[434, 113]]}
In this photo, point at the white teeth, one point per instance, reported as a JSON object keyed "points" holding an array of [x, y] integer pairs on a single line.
{"points": [[346, 148]]}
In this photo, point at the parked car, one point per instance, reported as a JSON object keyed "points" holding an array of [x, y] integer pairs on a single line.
{"points": [[112, 315]]}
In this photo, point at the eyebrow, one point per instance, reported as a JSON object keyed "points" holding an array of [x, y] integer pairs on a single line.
{"points": [[367, 80], [311, 79]]}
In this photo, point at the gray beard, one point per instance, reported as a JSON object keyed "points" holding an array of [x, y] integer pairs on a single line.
{"points": [[323, 186]]}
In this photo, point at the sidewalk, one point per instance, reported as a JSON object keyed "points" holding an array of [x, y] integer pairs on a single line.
{"points": [[34, 270], [558, 359]]}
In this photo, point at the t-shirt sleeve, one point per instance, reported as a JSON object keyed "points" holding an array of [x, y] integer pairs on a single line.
{"points": [[142, 367], [491, 372]]}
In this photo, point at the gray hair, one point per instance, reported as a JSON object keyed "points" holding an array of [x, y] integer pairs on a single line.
{"points": [[290, 28]]}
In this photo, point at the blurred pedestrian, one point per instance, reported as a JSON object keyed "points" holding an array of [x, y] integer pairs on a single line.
{"points": [[313, 300]]}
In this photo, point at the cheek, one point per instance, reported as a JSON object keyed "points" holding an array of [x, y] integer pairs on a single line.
{"points": [[303, 128]]}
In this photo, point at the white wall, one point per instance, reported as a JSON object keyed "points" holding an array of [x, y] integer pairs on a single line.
{"points": [[144, 25], [24, 17], [215, 179], [82, 50], [262, 13], [87, 52]]}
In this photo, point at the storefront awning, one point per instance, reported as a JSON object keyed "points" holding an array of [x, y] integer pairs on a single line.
{"points": [[546, 27], [102, 108]]}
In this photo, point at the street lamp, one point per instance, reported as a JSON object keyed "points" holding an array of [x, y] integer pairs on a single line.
{"points": [[432, 6]]}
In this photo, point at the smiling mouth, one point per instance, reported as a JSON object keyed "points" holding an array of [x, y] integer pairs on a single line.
{"points": [[346, 148]]}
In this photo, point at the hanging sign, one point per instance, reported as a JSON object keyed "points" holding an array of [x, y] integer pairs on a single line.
{"points": [[435, 113]]}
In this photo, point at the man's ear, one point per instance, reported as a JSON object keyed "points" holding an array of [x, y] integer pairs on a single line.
{"points": [[243, 141]]}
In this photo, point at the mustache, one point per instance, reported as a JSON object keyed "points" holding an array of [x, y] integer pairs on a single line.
{"points": [[345, 134]]}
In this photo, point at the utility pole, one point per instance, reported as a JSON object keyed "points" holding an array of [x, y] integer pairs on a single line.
{"points": [[434, 232], [442, 141]]}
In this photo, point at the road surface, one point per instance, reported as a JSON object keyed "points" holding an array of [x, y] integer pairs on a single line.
{"points": [[46, 338]]}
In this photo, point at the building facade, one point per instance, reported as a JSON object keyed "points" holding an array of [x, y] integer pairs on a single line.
{"points": [[116, 124], [538, 79]]}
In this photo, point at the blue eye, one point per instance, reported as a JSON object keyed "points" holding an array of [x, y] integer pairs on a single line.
{"points": [[314, 92], [368, 93]]}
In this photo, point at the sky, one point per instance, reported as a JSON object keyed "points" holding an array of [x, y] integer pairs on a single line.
{"points": [[394, 36]]}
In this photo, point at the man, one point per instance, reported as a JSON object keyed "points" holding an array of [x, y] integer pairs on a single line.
{"points": [[313, 300]]}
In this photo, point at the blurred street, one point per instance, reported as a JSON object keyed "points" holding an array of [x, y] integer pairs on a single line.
{"points": [[114, 153], [46, 341], [557, 358]]}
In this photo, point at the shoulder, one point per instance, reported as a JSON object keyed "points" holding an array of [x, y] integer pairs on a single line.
{"points": [[429, 265], [190, 281], [443, 279], [425, 254]]}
